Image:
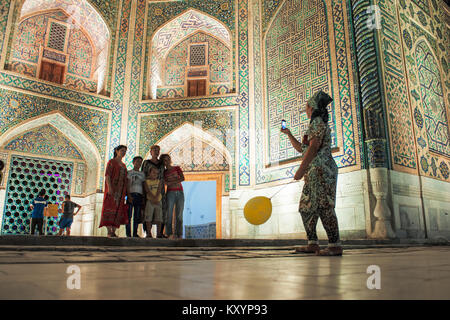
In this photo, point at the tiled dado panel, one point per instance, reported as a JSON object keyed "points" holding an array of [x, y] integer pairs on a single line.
{"points": [[340, 79]]}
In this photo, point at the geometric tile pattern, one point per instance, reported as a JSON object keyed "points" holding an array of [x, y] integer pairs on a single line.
{"points": [[346, 124], [180, 28], [160, 13], [17, 81], [30, 37], [24, 68], [297, 66], [138, 50], [81, 12], [16, 107], [80, 84], [175, 92], [432, 98], [219, 60], [155, 127], [199, 103], [119, 81], [201, 231], [371, 99], [4, 9], [27, 176], [244, 112], [195, 155], [45, 140], [80, 54], [425, 48], [269, 9], [398, 109], [423, 4]]}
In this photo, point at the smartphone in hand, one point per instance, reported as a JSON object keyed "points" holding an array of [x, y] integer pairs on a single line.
{"points": [[283, 124]]}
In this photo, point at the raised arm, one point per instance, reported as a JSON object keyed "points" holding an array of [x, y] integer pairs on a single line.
{"points": [[295, 143]]}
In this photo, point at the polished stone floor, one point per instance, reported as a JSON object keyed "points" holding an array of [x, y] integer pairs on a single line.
{"points": [[223, 273]]}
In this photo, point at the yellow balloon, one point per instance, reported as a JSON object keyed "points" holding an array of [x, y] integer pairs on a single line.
{"points": [[258, 210]]}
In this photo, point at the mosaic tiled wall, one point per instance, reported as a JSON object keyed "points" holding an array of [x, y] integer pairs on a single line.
{"points": [[415, 46], [176, 63], [160, 13], [31, 37], [339, 82], [4, 10], [17, 107], [297, 65], [47, 141], [248, 23], [102, 26]]}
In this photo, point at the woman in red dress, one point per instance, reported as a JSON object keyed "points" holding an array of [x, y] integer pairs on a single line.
{"points": [[114, 211]]}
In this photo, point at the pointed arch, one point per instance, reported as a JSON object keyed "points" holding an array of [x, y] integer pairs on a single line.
{"points": [[71, 131], [172, 32], [184, 133], [84, 16]]}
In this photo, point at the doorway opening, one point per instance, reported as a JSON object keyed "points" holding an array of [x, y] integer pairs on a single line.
{"points": [[202, 215]]}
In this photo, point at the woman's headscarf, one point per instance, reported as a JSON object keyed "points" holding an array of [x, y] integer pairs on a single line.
{"points": [[319, 102]]}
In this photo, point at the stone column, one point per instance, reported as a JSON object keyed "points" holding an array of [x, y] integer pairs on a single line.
{"points": [[382, 213], [374, 121]]}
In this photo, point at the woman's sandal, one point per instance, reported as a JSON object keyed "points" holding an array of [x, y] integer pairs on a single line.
{"points": [[330, 251], [310, 248]]}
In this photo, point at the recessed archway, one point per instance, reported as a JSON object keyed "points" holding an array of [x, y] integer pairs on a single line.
{"points": [[78, 16], [72, 132], [177, 29]]}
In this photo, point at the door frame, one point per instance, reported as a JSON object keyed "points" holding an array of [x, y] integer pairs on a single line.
{"points": [[219, 178]]}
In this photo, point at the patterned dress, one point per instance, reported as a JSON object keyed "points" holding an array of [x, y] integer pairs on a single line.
{"points": [[115, 211], [319, 190]]}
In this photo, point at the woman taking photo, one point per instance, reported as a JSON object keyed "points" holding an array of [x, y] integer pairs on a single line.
{"points": [[320, 173], [114, 211]]}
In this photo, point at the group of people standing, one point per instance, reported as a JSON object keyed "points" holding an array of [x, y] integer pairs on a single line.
{"points": [[152, 190], [147, 194]]}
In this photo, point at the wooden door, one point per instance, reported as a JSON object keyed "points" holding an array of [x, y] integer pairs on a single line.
{"points": [[52, 72], [196, 88]]}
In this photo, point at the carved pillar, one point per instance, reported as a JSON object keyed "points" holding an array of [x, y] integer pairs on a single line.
{"points": [[374, 121]]}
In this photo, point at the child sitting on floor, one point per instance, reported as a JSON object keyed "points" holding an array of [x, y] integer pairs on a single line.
{"points": [[153, 208]]}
